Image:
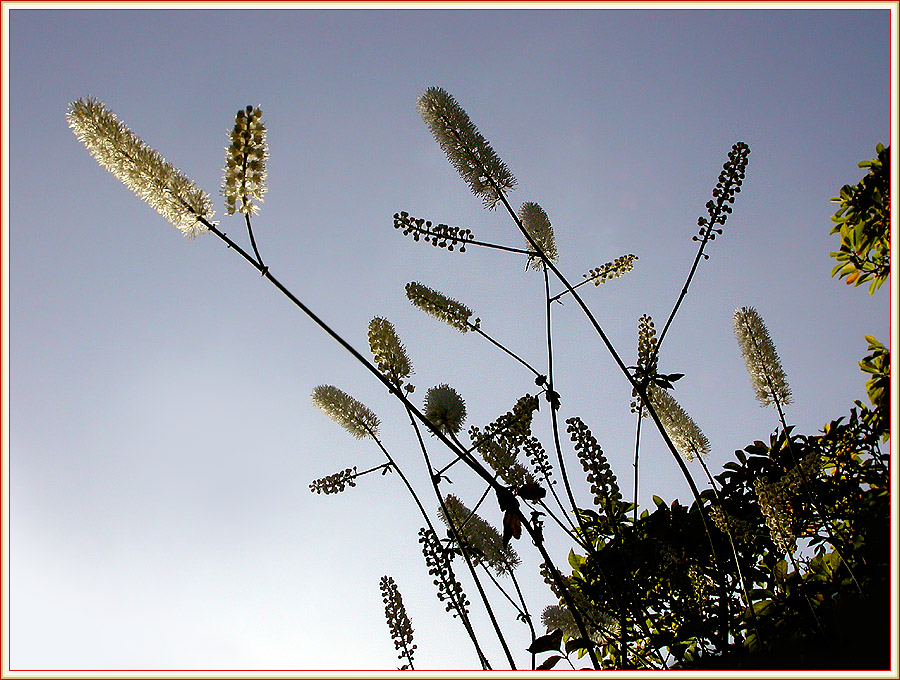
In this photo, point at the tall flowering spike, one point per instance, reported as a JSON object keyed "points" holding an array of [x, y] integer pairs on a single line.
{"points": [[537, 224], [727, 187], [245, 180], [139, 167], [445, 409], [440, 306], [681, 428], [483, 540], [599, 473], [437, 559], [763, 365], [611, 270], [647, 358], [776, 513], [398, 621], [346, 411], [390, 354], [467, 150]]}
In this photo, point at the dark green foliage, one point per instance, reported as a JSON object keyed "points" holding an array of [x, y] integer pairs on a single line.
{"points": [[864, 223]]}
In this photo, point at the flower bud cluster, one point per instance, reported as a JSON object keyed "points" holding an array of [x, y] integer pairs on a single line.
{"points": [[390, 354], [245, 180], [335, 483], [776, 511], [140, 168], [599, 474], [441, 307], [467, 150], [437, 559], [647, 358], [445, 409], [537, 224], [500, 442], [346, 411], [397, 620], [611, 270], [440, 235], [482, 541], [728, 185]]}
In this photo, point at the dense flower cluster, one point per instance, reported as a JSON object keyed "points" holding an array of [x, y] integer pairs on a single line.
{"points": [[681, 428], [763, 365], [611, 270], [481, 540], [537, 224], [397, 620], [445, 409], [140, 168], [390, 354], [346, 411], [334, 483], [245, 180], [467, 150], [440, 306]]}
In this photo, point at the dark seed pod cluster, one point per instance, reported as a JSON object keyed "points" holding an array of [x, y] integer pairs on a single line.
{"points": [[438, 235]]}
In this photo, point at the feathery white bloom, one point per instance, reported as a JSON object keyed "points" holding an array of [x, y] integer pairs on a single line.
{"points": [[467, 150], [537, 224], [681, 428], [445, 409], [346, 411], [390, 354], [439, 306], [600, 626], [768, 377], [140, 168], [480, 536], [246, 179]]}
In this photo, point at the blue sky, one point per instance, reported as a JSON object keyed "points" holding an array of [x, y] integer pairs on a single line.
{"points": [[162, 438]]}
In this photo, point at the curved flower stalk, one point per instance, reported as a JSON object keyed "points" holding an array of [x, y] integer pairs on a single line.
{"points": [[245, 181], [467, 150], [398, 621], [445, 408], [140, 168], [346, 411], [481, 539], [766, 373], [441, 307], [681, 428], [537, 224], [390, 354]]}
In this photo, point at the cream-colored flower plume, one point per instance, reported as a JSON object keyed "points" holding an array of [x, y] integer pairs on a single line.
{"points": [[681, 428], [440, 306], [768, 377], [480, 537], [445, 409], [246, 179], [537, 224], [346, 411], [390, 354], [140, 168], [467, 150]]}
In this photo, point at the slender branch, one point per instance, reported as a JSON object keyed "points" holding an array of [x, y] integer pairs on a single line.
{"points": [[497, 344]]}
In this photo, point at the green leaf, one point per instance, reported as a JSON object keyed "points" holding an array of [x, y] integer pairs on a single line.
{"points": [[546, 643], [549, 663]]}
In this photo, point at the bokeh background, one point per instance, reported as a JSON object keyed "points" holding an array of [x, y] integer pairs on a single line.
{"points": [[162, 437]]}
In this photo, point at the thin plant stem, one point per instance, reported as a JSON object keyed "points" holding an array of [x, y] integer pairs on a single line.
{"points": [[537, 539], [505, 349], [637, 448], [463, 616], [462, 546]]}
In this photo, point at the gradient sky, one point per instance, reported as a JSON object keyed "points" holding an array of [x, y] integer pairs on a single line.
{"points": [[162, 437]]}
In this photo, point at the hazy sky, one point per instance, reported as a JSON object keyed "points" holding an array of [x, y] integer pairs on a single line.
{"points": [[162, 437]]}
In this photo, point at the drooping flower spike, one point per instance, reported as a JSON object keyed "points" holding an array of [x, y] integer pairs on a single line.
{"points": [[139, 167], [467, 150]]}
